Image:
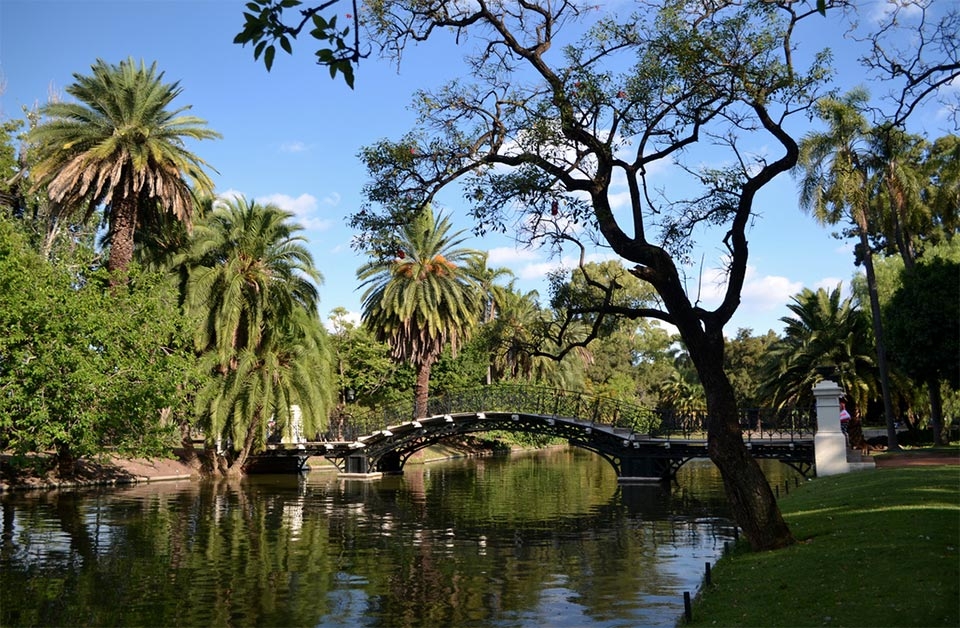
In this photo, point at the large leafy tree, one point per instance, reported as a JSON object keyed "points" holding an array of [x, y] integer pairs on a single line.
{"points": [[84, 369], [253, 286], [121, 145], [660, 107], [425, 297], [924, 335], [557, 133], [835, 169]]}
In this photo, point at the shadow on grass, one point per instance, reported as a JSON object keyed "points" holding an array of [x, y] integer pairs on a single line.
{"points": [[876, 548]]}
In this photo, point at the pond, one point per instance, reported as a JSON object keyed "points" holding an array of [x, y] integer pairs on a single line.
{"points": [[535, 539]]}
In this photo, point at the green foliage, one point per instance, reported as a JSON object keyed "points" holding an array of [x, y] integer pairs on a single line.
{"points": [[364, 366], [922, 322], [84, 368], [468, 368], [264, 29], [744, 362], [8, 162]]}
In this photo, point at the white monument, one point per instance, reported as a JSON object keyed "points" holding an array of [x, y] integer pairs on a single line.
{"points": [[830, 443]]}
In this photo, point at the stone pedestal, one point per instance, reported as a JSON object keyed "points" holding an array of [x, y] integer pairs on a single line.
{"points": [[830, 443]]}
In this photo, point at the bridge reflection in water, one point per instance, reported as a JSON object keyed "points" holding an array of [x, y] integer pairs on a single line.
{"points": [[641, 444]]}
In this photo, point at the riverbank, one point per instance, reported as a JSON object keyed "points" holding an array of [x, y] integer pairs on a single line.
{"points": [[121, 470], [111, 470], [875, 548]]}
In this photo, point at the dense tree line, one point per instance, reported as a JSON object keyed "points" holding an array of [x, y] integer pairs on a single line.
{"points": [[531, 133], [240, 355]]}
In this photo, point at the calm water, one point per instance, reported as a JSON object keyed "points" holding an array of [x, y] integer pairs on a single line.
{"points": [[545, 539]]}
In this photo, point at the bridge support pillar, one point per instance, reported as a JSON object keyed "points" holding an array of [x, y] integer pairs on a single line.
{"points": [[643, 469], [830, 443], [357, 464]]}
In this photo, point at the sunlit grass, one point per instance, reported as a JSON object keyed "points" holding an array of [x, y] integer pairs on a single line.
{"points": [[876, 548]]}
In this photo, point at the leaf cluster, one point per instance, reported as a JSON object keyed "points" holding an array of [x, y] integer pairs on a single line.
{"points": [[265, 28]]}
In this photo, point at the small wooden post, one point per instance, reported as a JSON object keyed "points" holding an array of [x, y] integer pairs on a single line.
{"points": [[707, 576], [687, 609]]}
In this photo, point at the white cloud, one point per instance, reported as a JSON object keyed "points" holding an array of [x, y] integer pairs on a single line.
{"points": [[767, 293], [303, 207], [351, 317], [294, 147]]}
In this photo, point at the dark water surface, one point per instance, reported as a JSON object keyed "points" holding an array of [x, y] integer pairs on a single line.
{"points": [[545, 539]]}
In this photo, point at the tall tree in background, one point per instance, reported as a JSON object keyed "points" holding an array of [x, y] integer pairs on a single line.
{"points": [[120, 146], [924, 334], [424, 298], [253, 285], [835, 168]]}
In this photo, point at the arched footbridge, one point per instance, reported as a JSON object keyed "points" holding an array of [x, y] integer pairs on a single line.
{"points": [[640, 444]]}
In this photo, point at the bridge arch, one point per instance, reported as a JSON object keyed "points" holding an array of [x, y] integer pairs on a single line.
{"points": [[639, 443], [387, 450], [634, 456]]}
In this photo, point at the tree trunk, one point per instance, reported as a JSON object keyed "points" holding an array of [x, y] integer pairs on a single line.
{"points": [[878, 337], [855, 437], [421, 389], [66, 461], [936, 410], [190, 456], [751, 499], [236, 467], [123, 224]]}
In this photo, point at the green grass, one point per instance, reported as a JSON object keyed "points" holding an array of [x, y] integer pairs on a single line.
{"points": [[875, 548]]}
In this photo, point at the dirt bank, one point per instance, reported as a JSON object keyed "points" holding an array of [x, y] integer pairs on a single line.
{"points": [[110, 470], [918, 458], [119, 470]]}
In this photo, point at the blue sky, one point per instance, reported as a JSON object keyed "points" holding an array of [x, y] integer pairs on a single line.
{"points": [[291, 136]]}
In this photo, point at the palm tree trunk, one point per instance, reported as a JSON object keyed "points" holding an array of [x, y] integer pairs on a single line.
{"points": [[878, 336], [236, 468], [421, 388], [123, 224]]}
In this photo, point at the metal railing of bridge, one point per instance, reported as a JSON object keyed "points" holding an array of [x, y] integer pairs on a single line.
{"points": [[516, 398]]}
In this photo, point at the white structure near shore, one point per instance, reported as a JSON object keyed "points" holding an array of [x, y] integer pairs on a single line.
{"points": [[830, 443]]}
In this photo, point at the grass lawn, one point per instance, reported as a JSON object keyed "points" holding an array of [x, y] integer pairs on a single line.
{"points": [[875, 548]]}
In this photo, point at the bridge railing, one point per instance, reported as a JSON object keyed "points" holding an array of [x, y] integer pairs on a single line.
{"points": [[755, 423], [509, 398]]}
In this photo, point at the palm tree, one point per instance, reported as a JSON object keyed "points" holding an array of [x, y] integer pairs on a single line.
{"points": [[900, 180], [286, 380], [252, 284], [425, 298], [511, 335], [835, 173], [120, 146], [493, 293], [824, 331], [245, 259]]}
